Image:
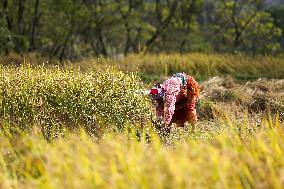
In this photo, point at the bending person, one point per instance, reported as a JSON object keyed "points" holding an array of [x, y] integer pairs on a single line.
{"points": [[176, 100]]}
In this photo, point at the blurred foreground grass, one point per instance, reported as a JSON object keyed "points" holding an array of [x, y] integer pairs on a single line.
{"points": [[232, 158]]}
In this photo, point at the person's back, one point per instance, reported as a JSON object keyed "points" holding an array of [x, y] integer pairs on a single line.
{"points": [[177, 102]]}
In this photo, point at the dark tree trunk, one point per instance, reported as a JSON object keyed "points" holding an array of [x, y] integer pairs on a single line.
{"points": [[101, 42], [125, 17], [8, 19], [162, 26], [64, 46], [9, 22], [127, 45], [20, 39], [34, 25], [236, 26], [21, 16]]}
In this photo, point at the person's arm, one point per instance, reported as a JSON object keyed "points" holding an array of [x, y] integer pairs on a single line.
{"points": [[170, 101], [172, 89]]}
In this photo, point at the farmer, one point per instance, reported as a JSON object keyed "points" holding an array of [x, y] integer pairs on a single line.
{"points": [[176, 99]]}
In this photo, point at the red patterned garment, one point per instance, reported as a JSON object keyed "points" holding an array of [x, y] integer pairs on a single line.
{"points": [[179, 103]]}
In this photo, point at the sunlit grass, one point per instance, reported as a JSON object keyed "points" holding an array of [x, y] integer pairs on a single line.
{"points": [[153, 67], [231, 159], [56, 99]]}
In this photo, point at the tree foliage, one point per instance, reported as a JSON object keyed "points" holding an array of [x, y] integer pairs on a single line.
{"points": [[72, 29]]}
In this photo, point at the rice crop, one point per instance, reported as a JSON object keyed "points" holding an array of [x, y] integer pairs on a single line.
{"points": [[87, 125], [155, 67], [232, 158], [51, 98]]}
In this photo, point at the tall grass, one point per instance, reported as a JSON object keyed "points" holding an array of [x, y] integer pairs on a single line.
{"points": [[201, 66], [156, 66], [57, 98], [230, 159], [204, 66]]}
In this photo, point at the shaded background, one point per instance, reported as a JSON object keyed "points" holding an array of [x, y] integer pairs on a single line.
{"points": [[75, 29]]}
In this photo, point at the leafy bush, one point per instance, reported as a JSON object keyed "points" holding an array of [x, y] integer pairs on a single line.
{"points": [[56, 98]]}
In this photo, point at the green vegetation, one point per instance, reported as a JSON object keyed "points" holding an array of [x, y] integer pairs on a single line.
{"points": [[153, 67], [74, 30], [56, 99], [156, 67]]}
